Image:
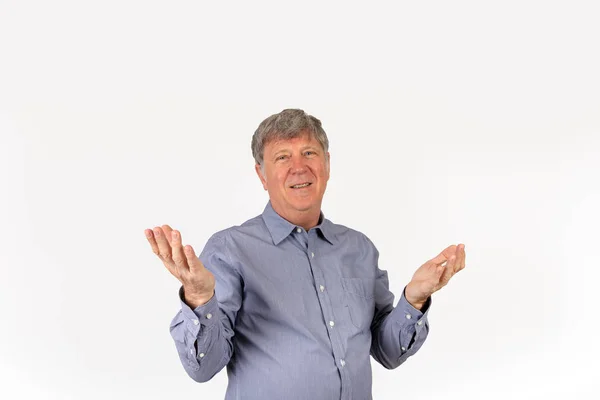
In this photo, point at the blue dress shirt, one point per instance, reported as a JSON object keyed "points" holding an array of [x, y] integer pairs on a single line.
{"points": [[296, 313]]}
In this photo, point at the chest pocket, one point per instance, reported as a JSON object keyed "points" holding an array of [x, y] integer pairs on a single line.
{"points": [[360, 293]]}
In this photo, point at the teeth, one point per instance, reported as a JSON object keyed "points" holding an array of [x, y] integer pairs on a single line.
{"points": [[301, 186]]}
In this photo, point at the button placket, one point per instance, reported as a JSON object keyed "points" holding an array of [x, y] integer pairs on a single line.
{"points": [[326, 305]]}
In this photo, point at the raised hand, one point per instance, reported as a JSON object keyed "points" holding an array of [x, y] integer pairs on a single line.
{"points": [[198, 282], [435, 274]]}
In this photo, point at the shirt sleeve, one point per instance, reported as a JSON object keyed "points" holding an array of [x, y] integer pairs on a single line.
{"points": [[397, 332], [203, 336]]}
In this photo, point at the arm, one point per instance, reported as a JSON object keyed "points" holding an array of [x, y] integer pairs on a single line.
{"points": [[203, 335], [406, 325], [397, 333]]}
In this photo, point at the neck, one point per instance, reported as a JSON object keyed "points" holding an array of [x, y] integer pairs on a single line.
{"points": [[307, 219]]}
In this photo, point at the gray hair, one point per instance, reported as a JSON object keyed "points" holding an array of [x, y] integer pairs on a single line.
{"points": [[288, 124]]}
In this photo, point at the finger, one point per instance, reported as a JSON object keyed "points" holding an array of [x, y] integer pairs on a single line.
{"points": [[167, 230], [460, 258], [170, 266], [150, 237], [164, 247], [448, 271], [179, 258], [464, 258], [444, 255]]}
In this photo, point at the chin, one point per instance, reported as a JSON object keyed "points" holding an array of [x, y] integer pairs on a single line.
{"points": [[303, 205]]}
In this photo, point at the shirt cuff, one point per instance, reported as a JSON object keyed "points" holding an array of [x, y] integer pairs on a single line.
{"points": [[410, 313], [205, 315]]}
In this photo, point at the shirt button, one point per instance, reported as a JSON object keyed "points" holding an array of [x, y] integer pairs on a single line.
{"points": [[321, 287], [403, 348], [298, 230], [201, 355], [408, 316], [331, 323], [192, 351], [209, 316], [312, 254], [195, 321], [420, 323], [342, 362]]}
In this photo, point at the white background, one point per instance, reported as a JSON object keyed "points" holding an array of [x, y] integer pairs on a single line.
{"points": [[449, 121]]}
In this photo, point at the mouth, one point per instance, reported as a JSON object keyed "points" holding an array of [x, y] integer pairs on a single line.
{"points": [[301, 185]]}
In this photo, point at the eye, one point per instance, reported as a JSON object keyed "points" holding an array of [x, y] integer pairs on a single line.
{"points": [[309, 153], [282, 157]]}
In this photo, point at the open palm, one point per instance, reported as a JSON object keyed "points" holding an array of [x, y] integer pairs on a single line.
{"points": [[435, 274]]}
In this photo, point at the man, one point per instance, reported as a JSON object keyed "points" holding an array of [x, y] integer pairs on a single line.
{"points": [[290, 302]]}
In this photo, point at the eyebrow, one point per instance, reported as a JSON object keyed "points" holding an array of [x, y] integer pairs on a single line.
{"points": [[279, 152], [287, 150], [311, 147]]}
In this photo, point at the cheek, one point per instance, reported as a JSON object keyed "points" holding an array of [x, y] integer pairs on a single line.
{"points": [[278, 179], [323, 174]]}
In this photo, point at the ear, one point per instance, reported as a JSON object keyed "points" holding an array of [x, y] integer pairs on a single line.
{"points": [[327, 164], [260, 175]]}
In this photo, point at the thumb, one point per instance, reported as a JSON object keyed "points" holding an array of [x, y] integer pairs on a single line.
{"points": [[439, 271], [193, 261], [444, 255]]}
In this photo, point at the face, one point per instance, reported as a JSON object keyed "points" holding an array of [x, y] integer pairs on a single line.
{"points": [[296, 172]]}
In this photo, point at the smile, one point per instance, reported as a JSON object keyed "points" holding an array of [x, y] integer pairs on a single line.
{"points": [[301, 185]]}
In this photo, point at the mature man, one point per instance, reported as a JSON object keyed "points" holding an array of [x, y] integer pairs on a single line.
{"points": [[290, 302]]}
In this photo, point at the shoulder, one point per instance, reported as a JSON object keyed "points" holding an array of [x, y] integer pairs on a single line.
{"points": [[253, 228], [349, 235], [228, 243]]}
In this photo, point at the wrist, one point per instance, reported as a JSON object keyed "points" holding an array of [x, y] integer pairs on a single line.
{"points": [[416, 305], [415, 301], [197, 300]]}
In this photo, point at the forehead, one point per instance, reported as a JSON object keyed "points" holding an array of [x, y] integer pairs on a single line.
{"points": [[304, 140]]}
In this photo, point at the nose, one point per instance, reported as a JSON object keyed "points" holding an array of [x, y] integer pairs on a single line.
{"points": [[298, 165]]}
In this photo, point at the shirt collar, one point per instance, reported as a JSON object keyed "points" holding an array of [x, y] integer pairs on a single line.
{"points": [[280, 228]]}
